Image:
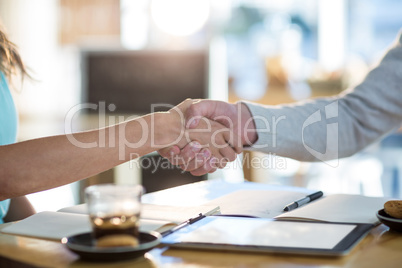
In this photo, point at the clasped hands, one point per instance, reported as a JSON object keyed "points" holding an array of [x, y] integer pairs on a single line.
{"points": [[212, 134]]}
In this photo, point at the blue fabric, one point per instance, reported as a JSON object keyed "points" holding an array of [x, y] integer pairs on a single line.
{"points": [[8, 127], [4, 205]]}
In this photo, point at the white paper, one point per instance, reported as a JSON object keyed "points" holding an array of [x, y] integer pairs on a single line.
{"points": [[258, 203], [74, 220], [156, 212], [340, 208], [50, 225], [333, 208], [56, 225]]}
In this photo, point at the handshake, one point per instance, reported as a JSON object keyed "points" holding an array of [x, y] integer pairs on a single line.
{"points": [[201, 136]]}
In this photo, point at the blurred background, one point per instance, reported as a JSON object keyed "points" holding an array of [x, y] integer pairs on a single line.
{"points": [[126, 55]]}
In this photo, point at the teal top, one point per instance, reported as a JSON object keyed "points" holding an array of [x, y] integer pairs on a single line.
{"points": [[8, 127]]}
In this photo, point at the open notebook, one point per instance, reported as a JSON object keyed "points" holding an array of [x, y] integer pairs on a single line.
{"points": [[74, 220], [343, 208]]}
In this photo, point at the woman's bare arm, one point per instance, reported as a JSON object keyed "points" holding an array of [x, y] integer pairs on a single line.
{"points": [[44, 163], [49, 162]]}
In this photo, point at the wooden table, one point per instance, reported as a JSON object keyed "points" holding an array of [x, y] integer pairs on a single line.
{"points": [[381, 248]]}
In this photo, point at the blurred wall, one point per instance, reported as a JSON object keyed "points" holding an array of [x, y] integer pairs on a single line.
{"points": [[33, 27]]}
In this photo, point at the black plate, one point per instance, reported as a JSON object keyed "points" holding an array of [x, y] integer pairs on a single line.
{"points": [[393, 223], [83, 245]]}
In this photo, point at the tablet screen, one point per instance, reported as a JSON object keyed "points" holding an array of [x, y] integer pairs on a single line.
{"points": [[262, 233]]}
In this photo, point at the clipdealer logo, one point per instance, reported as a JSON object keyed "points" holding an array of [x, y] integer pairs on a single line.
{"points": [[330, 156]]}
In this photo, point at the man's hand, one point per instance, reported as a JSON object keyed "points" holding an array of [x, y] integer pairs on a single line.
{"points": [[235, 117]]}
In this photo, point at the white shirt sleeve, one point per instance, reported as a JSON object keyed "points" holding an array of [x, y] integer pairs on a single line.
{"points": [[335, 127]]}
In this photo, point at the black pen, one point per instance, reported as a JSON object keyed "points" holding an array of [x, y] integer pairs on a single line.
{"points": [[303, 201], [216, 210], [183, 224]]}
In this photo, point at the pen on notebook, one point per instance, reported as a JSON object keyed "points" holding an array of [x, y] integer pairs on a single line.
{"points": [[303, 201], [183, 224], [200, 216]]}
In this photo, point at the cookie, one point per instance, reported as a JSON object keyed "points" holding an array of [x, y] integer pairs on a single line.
{"points": [[394, 208], [117, 241]]}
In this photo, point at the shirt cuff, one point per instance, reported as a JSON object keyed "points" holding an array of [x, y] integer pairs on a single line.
{"points": [[261, 115]]}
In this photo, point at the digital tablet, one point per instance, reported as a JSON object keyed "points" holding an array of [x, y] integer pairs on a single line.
{"points": [[269, 236]]}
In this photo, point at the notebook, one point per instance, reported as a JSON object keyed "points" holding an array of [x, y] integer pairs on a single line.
{"points": [[345, 208], [74, 220]]}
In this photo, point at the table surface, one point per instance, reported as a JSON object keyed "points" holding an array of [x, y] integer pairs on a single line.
{"points": [[380, 248]]}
